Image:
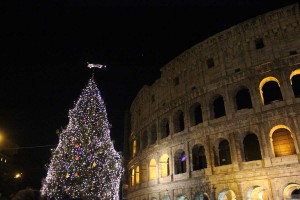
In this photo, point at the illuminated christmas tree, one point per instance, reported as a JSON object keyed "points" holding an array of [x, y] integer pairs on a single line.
{"points": [[85, 164]]}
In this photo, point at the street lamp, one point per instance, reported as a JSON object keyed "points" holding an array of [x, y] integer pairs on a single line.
{"points": [[18, 175]]}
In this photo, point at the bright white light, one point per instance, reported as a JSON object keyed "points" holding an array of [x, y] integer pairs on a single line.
{"points": [[18, 175], [90, 65]]}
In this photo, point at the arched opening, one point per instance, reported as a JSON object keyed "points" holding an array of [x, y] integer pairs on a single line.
{"points": [[227, 195], [295, 82], [132, 177], [137, 175], [144, 139], [243, 99], [224, 153], [178, 121], [165, 128], [166, 197], [283, 143], [219, 107], [270, 90], [153, 136], [152, 169], [180, 162], [196, 114], [133, 147], [201, 196], [181, 197], [164, 166], [296, 194], [291, 191], [257, 192], [251, 148], [199, 158]]}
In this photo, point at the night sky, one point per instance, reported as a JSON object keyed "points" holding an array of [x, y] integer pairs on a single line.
{"points": [[45, 45]]}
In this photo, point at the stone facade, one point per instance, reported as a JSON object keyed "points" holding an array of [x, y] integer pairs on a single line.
{"points": [[222, 121]]}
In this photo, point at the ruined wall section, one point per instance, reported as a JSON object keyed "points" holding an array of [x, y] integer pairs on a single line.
{"points": [[234, 55]]}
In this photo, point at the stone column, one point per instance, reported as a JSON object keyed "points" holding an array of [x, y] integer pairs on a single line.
{"points": [[233, 153], [265, 145]]}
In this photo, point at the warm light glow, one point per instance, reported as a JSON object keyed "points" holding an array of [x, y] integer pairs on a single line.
{"points": [[283, 143], [263, 82], [18, 175], [278, 127], [294, 73], [226, 195], [164, 165], [137, 175], [132, 177], [257, 192], [1, 137]]}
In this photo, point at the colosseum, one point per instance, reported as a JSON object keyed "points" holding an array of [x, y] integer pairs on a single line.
{"points": [[223, 120]]}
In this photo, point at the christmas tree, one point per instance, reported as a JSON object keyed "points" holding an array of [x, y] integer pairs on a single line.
{"points": [[85, 164]]}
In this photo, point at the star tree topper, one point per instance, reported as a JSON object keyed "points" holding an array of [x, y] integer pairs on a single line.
{"points": [[90, 65]]}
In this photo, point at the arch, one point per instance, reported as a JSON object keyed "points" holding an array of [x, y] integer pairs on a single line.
{"points": [[181, 197], [282, 141], [137, 175], [164, 165], [199, 158], [218, 107], [178, 121], [152, 169], [132, 177], [165, 128], [251, 147], [201, 196], [195, 114], [295, 82], [153, 136], [269, 89], [257, 192], [243, 99], [166, 197], [144, 139], [180, 162], [291, 191], [227, 195], [224, 153]]}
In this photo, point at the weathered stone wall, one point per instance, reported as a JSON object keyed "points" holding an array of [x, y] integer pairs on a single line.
{"points": [[237, 64]]}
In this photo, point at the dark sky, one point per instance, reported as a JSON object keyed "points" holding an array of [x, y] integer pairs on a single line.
{"points": [[44, 47]]}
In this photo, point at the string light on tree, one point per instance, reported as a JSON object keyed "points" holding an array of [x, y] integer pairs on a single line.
{"points": [[85, 164]]}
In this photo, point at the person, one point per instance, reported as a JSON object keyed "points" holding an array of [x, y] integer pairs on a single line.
{"points": [[27, 194]]}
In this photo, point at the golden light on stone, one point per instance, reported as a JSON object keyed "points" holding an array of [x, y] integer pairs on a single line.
{"points": [[263, 82]]}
